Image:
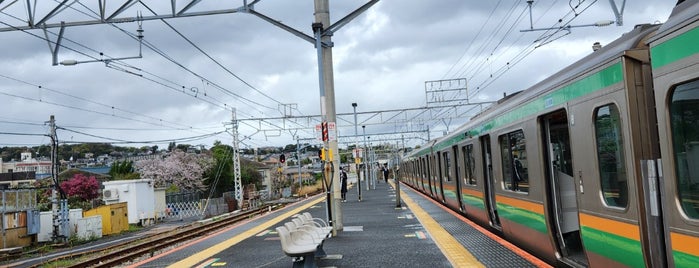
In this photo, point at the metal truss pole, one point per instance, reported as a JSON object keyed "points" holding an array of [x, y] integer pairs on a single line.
{"points": [[236, 161]]}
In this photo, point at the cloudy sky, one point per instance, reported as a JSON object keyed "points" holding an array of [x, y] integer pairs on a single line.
{"points": [[381, 61]]}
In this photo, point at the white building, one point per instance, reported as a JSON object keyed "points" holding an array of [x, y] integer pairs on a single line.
{"points": [[42, 168], [140, 198]]}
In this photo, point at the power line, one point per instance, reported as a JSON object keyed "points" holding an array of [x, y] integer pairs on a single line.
{"points": [[93, 102], [121, 141], [138, 69], [473, 40], [85, 109], [209, 56], [544, 38], [112, 62]]}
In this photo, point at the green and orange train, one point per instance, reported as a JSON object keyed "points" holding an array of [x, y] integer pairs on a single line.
{"points": [[595, 166]]}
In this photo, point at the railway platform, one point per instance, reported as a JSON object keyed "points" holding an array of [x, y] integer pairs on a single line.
{"points": [[375, 234]]}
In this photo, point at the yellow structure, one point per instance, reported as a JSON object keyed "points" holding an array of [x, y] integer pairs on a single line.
{"points": [[115, 217]]}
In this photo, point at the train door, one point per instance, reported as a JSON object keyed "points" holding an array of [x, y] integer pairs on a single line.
{"points": [[456, 178], [430, 173], [562, 202], [489, 184], [440, 174], [424, 184]]}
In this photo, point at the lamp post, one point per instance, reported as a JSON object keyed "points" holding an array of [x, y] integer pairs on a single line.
{"points": [[356, 148], [298, 161], [372, 172], [366, 158]]}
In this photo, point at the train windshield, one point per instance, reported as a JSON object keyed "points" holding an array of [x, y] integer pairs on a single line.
{"points": [[684, 115]]}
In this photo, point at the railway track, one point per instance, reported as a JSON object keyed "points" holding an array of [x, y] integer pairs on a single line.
{"points": [[118, 254]]}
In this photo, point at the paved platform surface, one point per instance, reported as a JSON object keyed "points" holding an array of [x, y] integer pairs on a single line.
{"points": [[375, 234]]}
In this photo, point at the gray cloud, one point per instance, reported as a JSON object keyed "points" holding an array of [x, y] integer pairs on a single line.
{"points": [[382, 60]]}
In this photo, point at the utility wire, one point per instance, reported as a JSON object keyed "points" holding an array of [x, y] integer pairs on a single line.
{"points": [[83, 109], [120, 141], [209, 56], [164, 55], [490, 16], [544, 38], [94, 102], [21, 134]]}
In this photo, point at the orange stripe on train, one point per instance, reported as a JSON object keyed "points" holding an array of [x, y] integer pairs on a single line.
{"points": [[623, 229], [519, 203], [685, 243]]}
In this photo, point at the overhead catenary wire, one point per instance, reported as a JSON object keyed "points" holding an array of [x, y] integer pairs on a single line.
{"points": [[490, 16], [209, 56], [112, 62], [208, 82], [138, 70], [94, 102], [82, 109], [122, 141], [543, 38]]}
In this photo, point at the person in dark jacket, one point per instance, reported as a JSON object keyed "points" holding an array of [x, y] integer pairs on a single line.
{"points": [[385, 172], [343, 183]]}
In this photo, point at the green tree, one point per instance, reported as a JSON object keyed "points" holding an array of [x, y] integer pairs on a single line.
{"points": [[123, 170], [221, 172], [249, 173]]}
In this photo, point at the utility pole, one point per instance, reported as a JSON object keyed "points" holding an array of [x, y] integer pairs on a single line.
{"points": [[59, 204], [327, 103], [54, 176]]}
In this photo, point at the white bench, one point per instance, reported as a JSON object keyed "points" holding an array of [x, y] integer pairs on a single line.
{"points": [[308, 219], [302, 245]]}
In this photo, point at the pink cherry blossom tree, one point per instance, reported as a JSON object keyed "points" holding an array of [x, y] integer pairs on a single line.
{"points": [[182, 170]]}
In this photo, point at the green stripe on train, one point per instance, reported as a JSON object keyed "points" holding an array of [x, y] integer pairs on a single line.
{"points": [[684, 260], [472, 200], [449, 194], [524, 217], [618, 248], [675, 49], [591, 83]]}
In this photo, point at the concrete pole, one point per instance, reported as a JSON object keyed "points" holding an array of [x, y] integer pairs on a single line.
{"points": [[327, 104], [55, 235]]}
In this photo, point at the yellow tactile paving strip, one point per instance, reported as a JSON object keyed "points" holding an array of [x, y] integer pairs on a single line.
{"points": [[193, 260], [457, 255]]}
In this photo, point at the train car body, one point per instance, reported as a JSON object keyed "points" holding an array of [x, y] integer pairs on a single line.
{"points": [[571, 168], [675, 63]]}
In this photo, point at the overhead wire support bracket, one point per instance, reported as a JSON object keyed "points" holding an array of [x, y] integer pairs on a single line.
{"points": [[139, 36], [618, 14], [328, 31], [54, 49]]}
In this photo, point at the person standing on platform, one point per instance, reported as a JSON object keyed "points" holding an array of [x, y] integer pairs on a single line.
{"points": [[385, 172], [343, 183]]}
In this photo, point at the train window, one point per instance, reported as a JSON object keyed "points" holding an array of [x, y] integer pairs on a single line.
{"points": [[684, 113], [469, 163], [447, 166], [610, 156], [514, 162]]}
